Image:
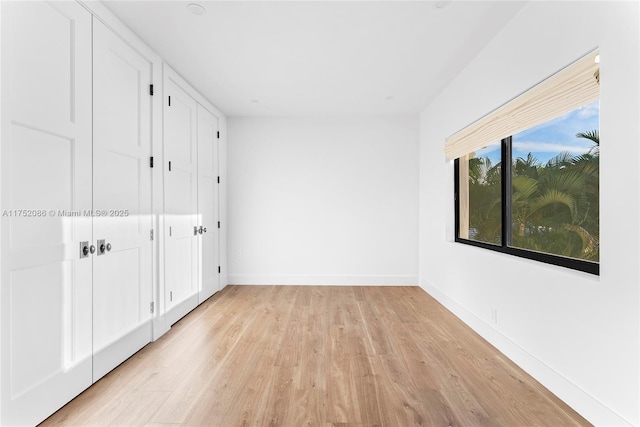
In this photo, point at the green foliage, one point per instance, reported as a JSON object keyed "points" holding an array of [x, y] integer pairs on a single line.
{"points": [[485, 204], [593, 135], [555, 206]]}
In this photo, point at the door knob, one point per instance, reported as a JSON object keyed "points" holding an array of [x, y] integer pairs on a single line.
{"points": [[92, 249], [204, 229], [200, 230], [101, 247], [108, 247], [84, 249]]}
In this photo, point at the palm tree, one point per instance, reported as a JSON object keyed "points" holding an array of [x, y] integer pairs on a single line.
{"points": [[594, 136], [555, 206]]}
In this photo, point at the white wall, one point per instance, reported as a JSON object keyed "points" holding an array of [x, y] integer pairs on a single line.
{"points": [[577, 333], [323, 200]]}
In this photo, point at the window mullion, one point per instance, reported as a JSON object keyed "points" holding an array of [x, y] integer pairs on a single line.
{"points": [[456, 193], [506, 191]]}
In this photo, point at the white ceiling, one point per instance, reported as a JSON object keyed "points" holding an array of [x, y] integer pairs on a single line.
{"points": [[310, 58]]}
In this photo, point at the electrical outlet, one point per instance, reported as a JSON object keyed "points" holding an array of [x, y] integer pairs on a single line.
{"points": [[494, 316]]}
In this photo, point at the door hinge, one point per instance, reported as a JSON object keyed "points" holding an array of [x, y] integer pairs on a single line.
{"points": [[218, 224], [169, 100], [169, 165], [218, 134], [218, 269], [151, 161], [152, 306], [151, 90], [218, 180], [151, 234]]}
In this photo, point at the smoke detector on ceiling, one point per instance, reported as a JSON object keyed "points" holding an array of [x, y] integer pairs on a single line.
{"points": [[196, 9], [441, 4]]}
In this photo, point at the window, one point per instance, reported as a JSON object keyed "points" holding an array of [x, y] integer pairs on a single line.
{"points": [[534, 192]]}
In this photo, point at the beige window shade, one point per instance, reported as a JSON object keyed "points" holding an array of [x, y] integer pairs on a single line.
{"points": [[568, 89]]}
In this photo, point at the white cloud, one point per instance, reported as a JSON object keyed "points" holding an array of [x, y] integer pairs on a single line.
{"points": [[577, 119], [589, 110], [548, 147], [488, 149]]}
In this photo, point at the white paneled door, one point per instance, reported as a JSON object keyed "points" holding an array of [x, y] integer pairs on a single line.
{"points": [[45, 301], [208, 203], [122, 223], [69, 313], [181, 203]]}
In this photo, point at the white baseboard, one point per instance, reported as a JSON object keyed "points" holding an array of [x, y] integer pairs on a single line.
{"points": [[582, 402], [116, 352], [160, 326], [203, 296], [163, 322], [181, 309], [352, 280]]}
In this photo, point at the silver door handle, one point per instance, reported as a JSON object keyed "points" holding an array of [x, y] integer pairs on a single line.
{"points": [[84, 249], [101, 247]]}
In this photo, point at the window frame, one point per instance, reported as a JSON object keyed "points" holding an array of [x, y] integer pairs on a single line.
{"points": [[506, 165]]}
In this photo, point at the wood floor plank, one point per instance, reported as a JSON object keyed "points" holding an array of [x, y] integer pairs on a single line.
{"points": [[318, 356], [367, 392], [342, 403]]}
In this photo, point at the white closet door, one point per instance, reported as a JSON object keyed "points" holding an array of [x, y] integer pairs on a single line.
{"points": [[122, 275], [181, 178], [208, 203], [46, 186]]}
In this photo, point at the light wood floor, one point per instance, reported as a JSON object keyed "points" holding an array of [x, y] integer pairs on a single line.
{"points": [[318, 356]]}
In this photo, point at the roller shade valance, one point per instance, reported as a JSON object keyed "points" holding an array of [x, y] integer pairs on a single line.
{"points": [[570, 88]]}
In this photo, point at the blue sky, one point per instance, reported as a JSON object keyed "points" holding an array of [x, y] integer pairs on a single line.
{"points": [[550, 138]]}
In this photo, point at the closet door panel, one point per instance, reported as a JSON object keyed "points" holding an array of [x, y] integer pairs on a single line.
{"points": [[208, 203], [122, 273], [46, 294], [181, 179]]}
